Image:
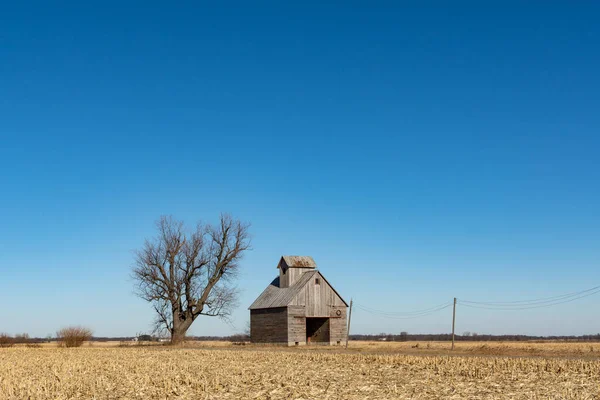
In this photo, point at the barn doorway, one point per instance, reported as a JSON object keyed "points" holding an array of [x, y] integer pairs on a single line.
{"points": [[317, 330]]}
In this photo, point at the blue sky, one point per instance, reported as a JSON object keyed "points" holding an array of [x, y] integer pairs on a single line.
{"points": [[417, 152]]}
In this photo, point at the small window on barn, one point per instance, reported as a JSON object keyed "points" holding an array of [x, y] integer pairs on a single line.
{"points": [[317, 281]]}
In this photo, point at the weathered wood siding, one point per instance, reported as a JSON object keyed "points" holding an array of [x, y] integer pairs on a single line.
{"points": [[318, 298], [296, 325], [279, 314], [283, 278], [338, 325], [289, 276], [294, 274], [269, 325], [300, 299]]}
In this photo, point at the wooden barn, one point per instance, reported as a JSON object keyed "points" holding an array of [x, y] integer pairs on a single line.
{"points": [[299, 307]]}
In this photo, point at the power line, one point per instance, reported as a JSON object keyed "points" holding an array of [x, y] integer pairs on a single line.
{"points": [[410, 315], [487, 305], [404, 318], [400, 313], [530, 302], [557, 301]]}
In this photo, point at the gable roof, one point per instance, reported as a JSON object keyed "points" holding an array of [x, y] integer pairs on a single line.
{"points": [[274, 296], [298, 262]]}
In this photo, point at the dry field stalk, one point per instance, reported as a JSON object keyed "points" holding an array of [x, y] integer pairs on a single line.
{"points": [[490, 348], [172, 373], [539, 348]]}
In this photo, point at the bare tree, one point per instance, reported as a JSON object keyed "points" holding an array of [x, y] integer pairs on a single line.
{"points": [[185, 275]]}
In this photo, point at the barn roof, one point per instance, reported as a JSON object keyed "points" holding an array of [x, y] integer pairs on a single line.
{"points": [[274, 296], [298, 262]]}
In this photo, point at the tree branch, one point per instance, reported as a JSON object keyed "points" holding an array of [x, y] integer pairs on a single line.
{"points": [[185, 276]]}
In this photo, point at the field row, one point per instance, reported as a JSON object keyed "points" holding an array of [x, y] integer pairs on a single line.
{"points": [[142, 373]]}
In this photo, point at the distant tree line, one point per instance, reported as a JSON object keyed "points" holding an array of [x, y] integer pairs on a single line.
{"points": [[468, 336], [8, 341]]}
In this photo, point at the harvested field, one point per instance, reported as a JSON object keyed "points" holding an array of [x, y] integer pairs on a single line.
{"points": [[490, 348], [271, 373], [583, 350]]}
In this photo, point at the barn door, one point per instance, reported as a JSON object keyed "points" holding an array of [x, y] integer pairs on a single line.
{"points": [[317, 330]]}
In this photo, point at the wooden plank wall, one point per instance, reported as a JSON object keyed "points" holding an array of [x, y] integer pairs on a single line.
{"points": [[293, 274], [290, 276], [288, 325], [338, 325], [283, 278], [300, 299], [320, 298], [296, 325], [317, 301], [269, 325]]}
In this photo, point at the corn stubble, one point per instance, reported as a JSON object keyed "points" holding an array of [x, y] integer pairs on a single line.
{"points": [[158, 373]]}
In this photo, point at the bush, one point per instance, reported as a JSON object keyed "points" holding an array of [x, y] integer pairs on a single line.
{"points": [[145, 338], [6, 340], [73, 336]]}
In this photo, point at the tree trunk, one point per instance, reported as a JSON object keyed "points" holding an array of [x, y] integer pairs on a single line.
{"points": [[179, 330], [178, 336]]}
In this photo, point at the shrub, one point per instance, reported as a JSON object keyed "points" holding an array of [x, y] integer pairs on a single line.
{"points": [[6, 340], [73, 336]]}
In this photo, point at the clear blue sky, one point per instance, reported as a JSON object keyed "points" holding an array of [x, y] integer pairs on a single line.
{"points": [[416, 152]]}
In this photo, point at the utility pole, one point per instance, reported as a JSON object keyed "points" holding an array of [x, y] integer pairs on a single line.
{"points": [[453, 321], [348, 329]]}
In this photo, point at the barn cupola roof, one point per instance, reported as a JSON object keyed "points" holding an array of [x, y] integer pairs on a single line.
{"points": [[296, 262]]}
